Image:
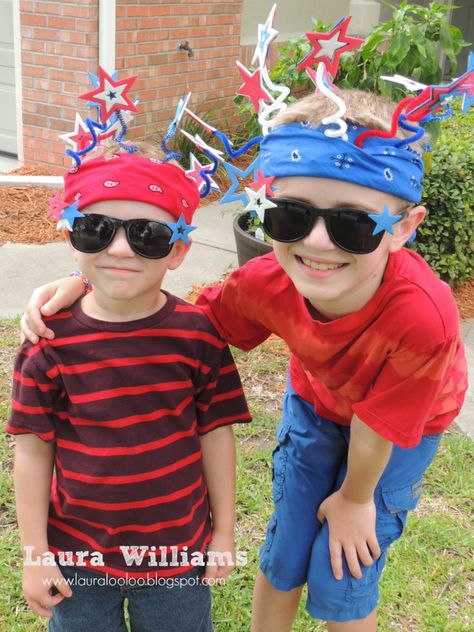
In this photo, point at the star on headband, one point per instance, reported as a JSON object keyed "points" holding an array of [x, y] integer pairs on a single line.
{"points": [[80, 137], [384, 221], [266, 181], [111, 95], [328, 47], [468, 97], [195, 172], [252, 86], [234, 172], [180, 230], [266, 35]]}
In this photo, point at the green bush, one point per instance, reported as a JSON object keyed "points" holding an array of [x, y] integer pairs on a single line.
{"points": [[446, 237]]}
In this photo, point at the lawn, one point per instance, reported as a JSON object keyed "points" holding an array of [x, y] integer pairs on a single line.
{"points": [[428, 584]]}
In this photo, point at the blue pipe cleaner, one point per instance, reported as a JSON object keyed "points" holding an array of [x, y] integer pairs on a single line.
{"points": [[228, 147], [76, 155], [130, 149], [203, 173], [419, 132]]}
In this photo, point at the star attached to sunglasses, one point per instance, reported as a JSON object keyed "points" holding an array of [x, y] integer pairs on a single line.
{"points": [[258, 202], [328, 47], [56, 206], [68, 216], [180, 230], [384, 221], [111, 95]]}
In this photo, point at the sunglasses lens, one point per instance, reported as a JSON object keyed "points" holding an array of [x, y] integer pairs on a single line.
{"points": [[92, 233], [352, 230], [149, 239], [288, 221]]}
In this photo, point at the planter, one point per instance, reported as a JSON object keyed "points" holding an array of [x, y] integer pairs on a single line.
{"points": [[247, 245]]}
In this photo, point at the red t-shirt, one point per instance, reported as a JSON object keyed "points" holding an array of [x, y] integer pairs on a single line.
{"points": [[124, 405], [398, 363]]}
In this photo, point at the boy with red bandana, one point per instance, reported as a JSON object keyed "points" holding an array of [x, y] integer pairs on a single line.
{"points": [[125, 456], [377, 369]]}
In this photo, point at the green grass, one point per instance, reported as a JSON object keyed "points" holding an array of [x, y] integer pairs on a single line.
{"points": [[427, 586]]}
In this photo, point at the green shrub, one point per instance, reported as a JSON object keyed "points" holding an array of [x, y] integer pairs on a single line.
{"points": [[446, 237]]}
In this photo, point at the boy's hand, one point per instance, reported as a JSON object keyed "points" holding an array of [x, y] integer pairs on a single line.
{"points": [[38, 582], [45, 301], [222, 553], [352, 531]]}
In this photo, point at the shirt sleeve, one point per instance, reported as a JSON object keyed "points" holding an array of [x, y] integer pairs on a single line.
{"points": [[220, 398], [231, 308], [404, 395], [34, 395]]}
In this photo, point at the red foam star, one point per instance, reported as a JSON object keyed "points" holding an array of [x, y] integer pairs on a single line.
{"points": [[56, 206], [252, 86], [111, 95], [262, 180], [328, 47]]}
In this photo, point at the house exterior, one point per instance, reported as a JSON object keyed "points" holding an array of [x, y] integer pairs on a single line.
{"points": [[175, 47]]}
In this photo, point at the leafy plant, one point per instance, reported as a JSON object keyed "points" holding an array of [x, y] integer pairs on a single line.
{"points": [[446, 236], [408, 44]]}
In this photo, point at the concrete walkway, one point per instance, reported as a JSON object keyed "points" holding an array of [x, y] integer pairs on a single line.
{"points": [[24, 267]]}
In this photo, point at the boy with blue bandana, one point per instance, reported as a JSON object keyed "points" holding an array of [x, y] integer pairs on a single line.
{"points": [[377, 369]]}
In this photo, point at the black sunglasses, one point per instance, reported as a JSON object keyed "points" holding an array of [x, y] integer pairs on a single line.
{"points": [[147, 238], [349, 229]]}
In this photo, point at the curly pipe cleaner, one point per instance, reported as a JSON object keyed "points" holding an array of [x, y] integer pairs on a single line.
{"points": [[277, 104], [336, 118]]}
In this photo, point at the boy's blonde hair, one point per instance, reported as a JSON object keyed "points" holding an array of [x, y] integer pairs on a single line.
{"points": [[364, 109], [109, 148]]}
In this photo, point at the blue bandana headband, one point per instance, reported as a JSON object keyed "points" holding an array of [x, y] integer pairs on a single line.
{"points": [[296, 149]]}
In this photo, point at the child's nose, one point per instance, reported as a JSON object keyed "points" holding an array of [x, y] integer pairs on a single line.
{"points": [[318, 238], [119, 246]]}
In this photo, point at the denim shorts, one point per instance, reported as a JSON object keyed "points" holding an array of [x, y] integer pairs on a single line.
{"points": [[309, 463], [172, 604]]}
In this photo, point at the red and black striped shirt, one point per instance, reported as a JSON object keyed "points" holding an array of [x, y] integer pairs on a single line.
{"points": [[124, 405]]}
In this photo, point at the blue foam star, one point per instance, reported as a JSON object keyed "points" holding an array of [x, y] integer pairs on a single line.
{"points": [[70, 213], [233, 173], [384, 221], [180, 230]]}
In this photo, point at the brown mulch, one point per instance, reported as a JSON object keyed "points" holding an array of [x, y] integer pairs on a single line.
{"points": [[23, 220], [23, 212]]}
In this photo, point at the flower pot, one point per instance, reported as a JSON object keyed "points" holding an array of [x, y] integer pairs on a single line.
{"points": [[247, 245]]}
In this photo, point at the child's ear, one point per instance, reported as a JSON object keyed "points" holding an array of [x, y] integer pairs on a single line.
{"points": [[178, 253], [405, 228]]}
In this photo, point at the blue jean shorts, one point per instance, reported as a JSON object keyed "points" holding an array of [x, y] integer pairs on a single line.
{"points": [[171, 604], [310, 463]]}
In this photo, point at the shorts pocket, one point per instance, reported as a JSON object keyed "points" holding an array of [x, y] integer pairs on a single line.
{"points": [[280, 458], [364, 591], [271, 528], [393, 509]]}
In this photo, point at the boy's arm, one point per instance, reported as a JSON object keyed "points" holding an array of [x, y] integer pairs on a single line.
{"points": [[350, 511], [32, 472], [218, 458], [47, 300]]}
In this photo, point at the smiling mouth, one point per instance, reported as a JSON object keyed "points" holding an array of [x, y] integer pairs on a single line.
{"points": [[321, 266]]}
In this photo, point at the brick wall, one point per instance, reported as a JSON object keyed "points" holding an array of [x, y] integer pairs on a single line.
{"points": [[60, 44]]}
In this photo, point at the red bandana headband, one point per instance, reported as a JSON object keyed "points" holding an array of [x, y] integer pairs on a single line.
{"points": [[132, 177]]}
